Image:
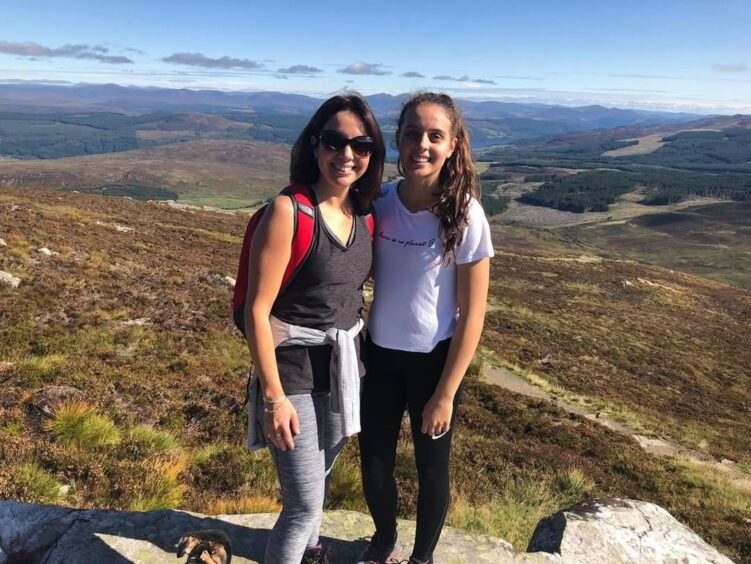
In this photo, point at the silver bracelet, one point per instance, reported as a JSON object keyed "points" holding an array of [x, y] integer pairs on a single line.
{"points": [[280, 400], [277, 404]]}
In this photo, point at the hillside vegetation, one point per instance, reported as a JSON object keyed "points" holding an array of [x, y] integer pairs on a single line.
{"points": [[227, 174], [596, 190], [669, 350], [711, 240], [707, 158], [63, 134], [123, 377]]}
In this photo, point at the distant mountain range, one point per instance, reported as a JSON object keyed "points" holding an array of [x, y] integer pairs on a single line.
{"points": [[490, 122]]}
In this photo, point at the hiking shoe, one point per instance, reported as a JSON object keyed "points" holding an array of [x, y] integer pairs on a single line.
{"points": [[315, 555], [378, 552]]}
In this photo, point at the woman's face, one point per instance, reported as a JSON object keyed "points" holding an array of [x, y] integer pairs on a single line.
{"points": [[343, 167], [425, 141]]}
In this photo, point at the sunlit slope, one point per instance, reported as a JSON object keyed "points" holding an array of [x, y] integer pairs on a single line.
{"points": [[218, 173], [123, 326]]}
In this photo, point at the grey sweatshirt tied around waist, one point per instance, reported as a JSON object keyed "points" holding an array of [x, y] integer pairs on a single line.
{"points": [[344, 380]]}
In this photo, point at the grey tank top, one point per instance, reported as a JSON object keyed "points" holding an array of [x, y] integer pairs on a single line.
{"points": [[326, 292]]}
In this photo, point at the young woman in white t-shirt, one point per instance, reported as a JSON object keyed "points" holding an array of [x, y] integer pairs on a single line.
{"points": [[431, 271]]}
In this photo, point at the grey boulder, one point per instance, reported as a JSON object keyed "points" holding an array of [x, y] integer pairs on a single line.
{"points": [[600, 531]]}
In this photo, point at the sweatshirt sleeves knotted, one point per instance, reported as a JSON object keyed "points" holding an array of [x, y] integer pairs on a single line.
{"points": [[344, 370]]}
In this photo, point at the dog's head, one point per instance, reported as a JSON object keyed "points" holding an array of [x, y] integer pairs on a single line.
{"points": [[210, 545]]}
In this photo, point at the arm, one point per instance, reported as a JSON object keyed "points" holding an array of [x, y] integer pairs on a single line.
{"points": [[472, 281], [269, 255]]}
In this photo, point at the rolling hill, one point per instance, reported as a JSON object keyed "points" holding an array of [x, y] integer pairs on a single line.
{"points": [[218, 173], [50, 121]]}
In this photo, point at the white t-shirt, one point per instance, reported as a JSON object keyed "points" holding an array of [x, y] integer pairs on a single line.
{"points": [[415, 305]]}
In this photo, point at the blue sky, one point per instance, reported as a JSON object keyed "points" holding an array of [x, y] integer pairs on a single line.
{"points": [[670, 55]]}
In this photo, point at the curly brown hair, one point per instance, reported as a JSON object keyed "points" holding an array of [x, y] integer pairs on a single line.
{"points": [[457, 181], [303, 166]]}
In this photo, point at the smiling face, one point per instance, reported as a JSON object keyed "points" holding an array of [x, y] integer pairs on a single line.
{"points": [[425, 141], [342, 168]]}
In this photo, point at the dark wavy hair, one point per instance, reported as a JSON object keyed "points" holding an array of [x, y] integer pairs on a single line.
{"points": [[457, 181], [303, 166]]}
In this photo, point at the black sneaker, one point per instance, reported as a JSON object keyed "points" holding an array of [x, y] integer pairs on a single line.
{"points": [[378, 552], [315, 555]]}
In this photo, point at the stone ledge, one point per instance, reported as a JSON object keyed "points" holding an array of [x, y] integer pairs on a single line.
{"points": [[596, 531]]}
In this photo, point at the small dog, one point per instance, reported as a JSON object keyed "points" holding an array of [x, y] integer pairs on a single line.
{"points": [[210, 546]]}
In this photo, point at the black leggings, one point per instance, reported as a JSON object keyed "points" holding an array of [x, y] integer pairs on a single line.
{"points": [[394, 380]]}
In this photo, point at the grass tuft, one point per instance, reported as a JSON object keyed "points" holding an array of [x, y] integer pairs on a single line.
{"points": [[155, 439], [512, 515], [35, 484], [345, 488], [161, 489], [12, 429], [34, 371], [572, 484], [243, 505], [76, 424], [206, 452]]}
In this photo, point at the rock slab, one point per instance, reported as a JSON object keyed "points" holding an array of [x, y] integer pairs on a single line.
{"points": [[601, 531], [56, 535]]}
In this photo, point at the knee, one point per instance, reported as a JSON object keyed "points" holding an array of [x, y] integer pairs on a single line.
{"points": [[303, 510], [433, 478], [377, 469]]}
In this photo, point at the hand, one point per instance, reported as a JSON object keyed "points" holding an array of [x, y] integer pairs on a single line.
{"points": [[281, 424], [436, 417]]}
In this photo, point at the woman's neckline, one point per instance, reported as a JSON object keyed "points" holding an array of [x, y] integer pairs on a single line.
{"points": [[404, 207], [333, 236]]}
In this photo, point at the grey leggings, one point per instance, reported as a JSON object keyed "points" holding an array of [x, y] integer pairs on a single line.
{"points": [[304, 475]]}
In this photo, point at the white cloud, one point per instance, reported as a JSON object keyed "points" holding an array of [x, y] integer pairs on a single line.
{"points": [[201, 60], [300, 69], [33, 50], [364, 68], [732, 67], [464, 78]]}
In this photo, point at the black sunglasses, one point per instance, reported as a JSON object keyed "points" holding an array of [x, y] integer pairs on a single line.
{"points": [[362, 146]]}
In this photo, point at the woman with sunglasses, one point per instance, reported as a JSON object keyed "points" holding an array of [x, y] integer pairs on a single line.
{"points": [[304, 337], [431, 270]]}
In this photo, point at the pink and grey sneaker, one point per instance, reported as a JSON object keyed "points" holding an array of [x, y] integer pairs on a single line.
{"points": [[378, 552], [315, 555]]}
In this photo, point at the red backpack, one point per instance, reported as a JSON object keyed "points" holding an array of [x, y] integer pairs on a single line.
{"points": [[303, 203]]}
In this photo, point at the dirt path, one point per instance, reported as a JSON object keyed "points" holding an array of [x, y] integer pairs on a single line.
{"points": [[657, 446]]}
